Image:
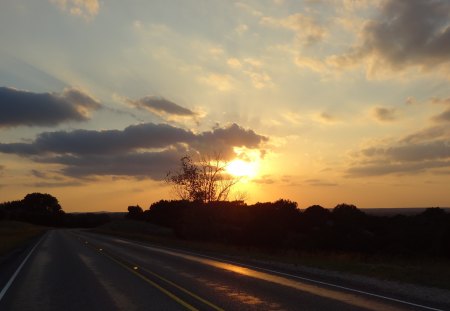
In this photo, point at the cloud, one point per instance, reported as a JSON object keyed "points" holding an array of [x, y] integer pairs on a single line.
{"points": [[221, 139], [85, 142], [161, 107], [241, 29], [427, 134], [247, 8], [380, 169], [320, 183], [405, 33], [425, 150], [265, 179], [45, 184], [19, 107], [84, 8], [136, 164], [384, 114], [443, 117], [139, 150], [251, 67], [410, 152], [325, 118], [222, 82], [438, 100], [307, 30]]}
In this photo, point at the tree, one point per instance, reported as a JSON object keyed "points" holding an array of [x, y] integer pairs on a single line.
{"points": [[135, 212], [316, 216], [41, 203], [205, 180]]}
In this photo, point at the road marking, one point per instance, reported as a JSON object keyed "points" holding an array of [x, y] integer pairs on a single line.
{"points": [[134, 269], [317, 282], [165, 291], [184, 290], [13, 277], [179, 253]]}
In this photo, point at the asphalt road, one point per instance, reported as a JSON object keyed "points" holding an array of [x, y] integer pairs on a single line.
{"points": [[76, 270]]}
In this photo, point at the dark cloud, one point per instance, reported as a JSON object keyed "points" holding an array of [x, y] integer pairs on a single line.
{"points": [[327, 118], [161, 106], [19, 107], [383, 168], [443, 117], [384, 114], [427, 149], [233, 135], [406, 32], [55, 184], [142, 136], [83, 142], [408, 156], [138, 150], [427, 134], [434, 150], [39, 174], [146, 164]]}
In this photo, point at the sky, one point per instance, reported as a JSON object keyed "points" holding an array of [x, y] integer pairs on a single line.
{"points": [[327, 101]]}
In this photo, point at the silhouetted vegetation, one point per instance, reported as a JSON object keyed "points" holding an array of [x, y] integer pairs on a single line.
{"points": [[44, 209], [135, 212], [280, 225], [204, 181]]}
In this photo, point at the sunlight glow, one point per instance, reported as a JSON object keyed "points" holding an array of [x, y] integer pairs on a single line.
{"points": [[241, 168], [246, 164]]}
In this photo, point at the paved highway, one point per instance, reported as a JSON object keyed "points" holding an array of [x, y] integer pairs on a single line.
{"points": [[76, 270]]}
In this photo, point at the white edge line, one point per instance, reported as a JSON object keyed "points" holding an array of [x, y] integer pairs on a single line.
{"points": [[305, 279], [13, 277], [283, 273]]}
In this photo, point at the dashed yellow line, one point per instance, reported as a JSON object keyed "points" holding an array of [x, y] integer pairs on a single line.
{"points": [[134, 270], [184, 290], [165, 291]]}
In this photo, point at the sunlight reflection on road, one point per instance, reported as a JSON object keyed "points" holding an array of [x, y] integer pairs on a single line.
{"points": [[345, 297]]}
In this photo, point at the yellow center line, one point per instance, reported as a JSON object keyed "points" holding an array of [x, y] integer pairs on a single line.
{"points": [[134, 270], [184, 290], [165, 291]]}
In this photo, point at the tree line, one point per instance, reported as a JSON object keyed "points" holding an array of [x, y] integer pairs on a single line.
{"points": [[44, 209], [282, 225]]}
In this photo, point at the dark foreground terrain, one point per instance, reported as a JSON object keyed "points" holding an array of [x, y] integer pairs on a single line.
{"points": [[77, 270]]}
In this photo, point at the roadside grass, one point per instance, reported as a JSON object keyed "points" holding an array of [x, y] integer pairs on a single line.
{"points": [[426, 271], [13, 234]]}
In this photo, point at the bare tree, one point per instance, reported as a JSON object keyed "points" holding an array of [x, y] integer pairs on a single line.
{"points": [[205, 180]]}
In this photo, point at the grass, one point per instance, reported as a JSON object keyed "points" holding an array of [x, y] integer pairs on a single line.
{"points": [[432, 272], [14, 234]]}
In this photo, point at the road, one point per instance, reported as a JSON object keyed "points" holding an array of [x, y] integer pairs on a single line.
{"points": [[77, 270]]}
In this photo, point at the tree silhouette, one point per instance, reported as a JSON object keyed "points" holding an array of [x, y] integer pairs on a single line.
{"points": [[41, 203], [135, 212], [204, 181]]}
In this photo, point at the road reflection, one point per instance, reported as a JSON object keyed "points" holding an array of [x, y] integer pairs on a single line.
{"points": [[348, 298], [368, 303]]}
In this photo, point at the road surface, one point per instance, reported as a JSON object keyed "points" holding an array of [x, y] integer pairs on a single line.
{"points": [[77, 270]]}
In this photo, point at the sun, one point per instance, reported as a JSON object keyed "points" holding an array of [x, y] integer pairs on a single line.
{"points": [[241, 168]]}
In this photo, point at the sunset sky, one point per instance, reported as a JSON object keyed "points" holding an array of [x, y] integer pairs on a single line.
{"points": [[328, 101]]}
